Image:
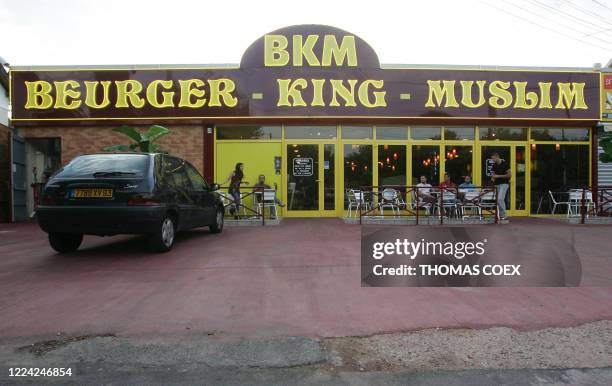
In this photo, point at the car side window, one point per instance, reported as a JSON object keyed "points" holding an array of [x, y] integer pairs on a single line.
{"points": [[175, 173], [196, 178]]}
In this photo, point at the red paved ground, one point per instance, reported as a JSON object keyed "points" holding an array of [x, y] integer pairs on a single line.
{"points": [[300, 278]]}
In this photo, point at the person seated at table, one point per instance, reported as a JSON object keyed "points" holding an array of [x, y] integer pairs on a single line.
{"points": [[261, 184], [467, 184], [448, 185], [423, 190]]}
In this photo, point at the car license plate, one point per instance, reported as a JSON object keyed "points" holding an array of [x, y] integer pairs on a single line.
{"points": [[93, 193]]}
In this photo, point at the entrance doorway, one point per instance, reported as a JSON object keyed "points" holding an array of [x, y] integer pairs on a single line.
{"points": [[311, 172], [514, 154], [42, 160]]}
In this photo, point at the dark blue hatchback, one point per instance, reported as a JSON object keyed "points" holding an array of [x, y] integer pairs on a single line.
{"points": [[129, 193]]}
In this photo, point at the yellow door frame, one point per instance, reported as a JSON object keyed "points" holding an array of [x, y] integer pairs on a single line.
{"points": [[512, 211], [320, 212]]}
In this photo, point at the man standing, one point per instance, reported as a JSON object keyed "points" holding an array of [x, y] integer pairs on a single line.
{"points": [[501, 178]]}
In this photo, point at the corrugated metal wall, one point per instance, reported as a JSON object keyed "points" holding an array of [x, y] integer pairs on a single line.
{"points": [[604, 171]]}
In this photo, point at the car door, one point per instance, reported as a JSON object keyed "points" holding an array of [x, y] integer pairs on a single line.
{"points": [[203, 197], [175, 176]]}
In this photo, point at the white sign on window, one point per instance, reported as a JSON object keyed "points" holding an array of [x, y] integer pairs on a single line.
{"points": [[303, 167]]}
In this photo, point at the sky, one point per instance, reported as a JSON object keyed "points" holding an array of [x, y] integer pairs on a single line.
{"points": [[552, 33]]}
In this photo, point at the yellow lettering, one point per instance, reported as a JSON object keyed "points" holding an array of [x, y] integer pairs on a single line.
{"points": [[317, 93], [346, 50], [439, 90], [166, 95], [571, 92], [379, 96], [500, 98], [275, 51], [288, 89], [38, 95], [129, 89], [91, 88], [339, 89], [305, 50], [524, 100], [466, 93], [545, 95], [66, 97], [187, 91], [222, 88]]}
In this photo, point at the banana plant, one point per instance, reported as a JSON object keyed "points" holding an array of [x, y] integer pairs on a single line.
{"points": [[143, 142]]}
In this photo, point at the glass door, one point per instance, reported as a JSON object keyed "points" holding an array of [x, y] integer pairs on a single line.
{"points": [[516, 158], [310, 172]]}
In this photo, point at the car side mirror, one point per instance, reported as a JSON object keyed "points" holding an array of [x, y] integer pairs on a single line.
{"points": [[214, 187]]}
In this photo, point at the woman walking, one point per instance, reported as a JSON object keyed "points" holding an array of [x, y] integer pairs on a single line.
{"points": [[235, 179]]}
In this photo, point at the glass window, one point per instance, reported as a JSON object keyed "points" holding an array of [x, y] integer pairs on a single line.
{"points": [[303, 177], [458, 163], [392, 165], [391, 132], [121, 165], [174, 172], [357, 166], [197, 181], [426, 162], [425, 132], [521, 169], [248, 132], [357, 132], [310, 132], [557, 168], [559, 134], [451, 133], [503, 133], [329, 187]]}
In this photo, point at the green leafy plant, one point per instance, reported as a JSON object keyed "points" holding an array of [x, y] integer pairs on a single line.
{"points": [[606, 144], [143, 141]]}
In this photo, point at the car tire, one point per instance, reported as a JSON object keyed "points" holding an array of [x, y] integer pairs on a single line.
{"points": [[163, 239], [65, 242], [217, 226]]}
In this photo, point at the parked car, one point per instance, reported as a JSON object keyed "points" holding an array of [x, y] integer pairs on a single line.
{"points": [[129, 193]]}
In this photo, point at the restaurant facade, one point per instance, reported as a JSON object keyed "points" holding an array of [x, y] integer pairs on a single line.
{"points": [[312, 109]]}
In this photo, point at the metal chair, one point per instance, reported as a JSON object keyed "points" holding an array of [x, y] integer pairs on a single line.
{"points": [[418, 203], [225, 201], [268, 200], [487, 201], [471, 202], [556, 203], [575, 202], [360, 200], [449, 203], [389, 200]]}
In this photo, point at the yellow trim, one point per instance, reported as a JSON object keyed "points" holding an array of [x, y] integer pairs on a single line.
{"points": [[127, 68], [492, 70], [236, 66], [310, 117]]}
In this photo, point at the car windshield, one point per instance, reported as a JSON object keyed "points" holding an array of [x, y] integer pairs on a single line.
{"points": [[103, 165]]}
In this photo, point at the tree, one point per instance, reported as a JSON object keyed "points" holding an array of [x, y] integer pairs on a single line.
{"points": [[143, 142], [606, 144]]}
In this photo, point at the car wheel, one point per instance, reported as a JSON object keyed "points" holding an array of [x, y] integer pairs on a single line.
{"points": [[163, 239], [217, 227], [65, 242]]}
